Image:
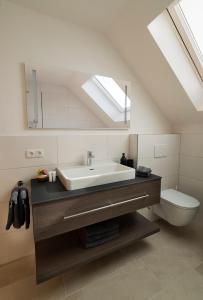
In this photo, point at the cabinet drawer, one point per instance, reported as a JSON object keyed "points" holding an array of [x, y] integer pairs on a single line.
{"points": [[135, 197], [136, 190], [65, 215], [51, 219]]}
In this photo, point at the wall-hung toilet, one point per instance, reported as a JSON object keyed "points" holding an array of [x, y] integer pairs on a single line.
{"points": [[176, 208]]}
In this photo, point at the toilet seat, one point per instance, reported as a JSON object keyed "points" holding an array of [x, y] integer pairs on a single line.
{"points": [[178, 199]]}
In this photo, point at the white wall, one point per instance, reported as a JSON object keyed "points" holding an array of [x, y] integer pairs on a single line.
{"points": [[191, 165], [189, 127], [191, 162], [27, 36], [166, 167]]}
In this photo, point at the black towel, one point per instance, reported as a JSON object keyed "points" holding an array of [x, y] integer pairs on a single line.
{"points": [[101, 228], [19, 208], [95, 243], [88, 239], [100, 233]]}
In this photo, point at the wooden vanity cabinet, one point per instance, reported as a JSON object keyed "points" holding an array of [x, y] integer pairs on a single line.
{"points": [[55, 223]]}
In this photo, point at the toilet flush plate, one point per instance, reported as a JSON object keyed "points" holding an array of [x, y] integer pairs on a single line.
{"points": [[160, 150]]}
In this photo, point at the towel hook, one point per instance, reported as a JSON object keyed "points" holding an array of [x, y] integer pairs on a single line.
{"points": [[20, 183]]}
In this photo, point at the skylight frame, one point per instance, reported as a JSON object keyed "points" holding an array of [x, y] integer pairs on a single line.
{"points": [[183, 28]]}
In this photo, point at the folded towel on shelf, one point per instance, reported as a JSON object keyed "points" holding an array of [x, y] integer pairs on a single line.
{"points": [[84, 238], [100, 233], [95, 243], [101, 228]]}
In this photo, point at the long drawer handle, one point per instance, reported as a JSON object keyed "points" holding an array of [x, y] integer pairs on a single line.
{"points": [[105, 207]]}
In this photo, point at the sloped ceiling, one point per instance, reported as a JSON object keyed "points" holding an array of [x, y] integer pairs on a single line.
{"points": [[125, 23], [97, 14], [131, 36]]}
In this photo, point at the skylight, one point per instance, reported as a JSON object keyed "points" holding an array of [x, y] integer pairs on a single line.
{"points": [[188, 19], [172, 35], [114, 91], [192, 10]]}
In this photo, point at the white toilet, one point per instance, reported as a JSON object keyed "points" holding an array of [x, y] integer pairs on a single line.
{"points": [[176, 208]]}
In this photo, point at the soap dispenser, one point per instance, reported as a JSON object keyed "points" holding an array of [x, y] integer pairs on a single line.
{"points": [[123, 160]]}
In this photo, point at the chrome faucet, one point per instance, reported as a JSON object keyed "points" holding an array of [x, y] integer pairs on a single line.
{"points": [[90, 156]]}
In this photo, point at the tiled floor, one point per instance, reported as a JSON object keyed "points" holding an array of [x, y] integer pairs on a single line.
{"points": [[165, 266]]}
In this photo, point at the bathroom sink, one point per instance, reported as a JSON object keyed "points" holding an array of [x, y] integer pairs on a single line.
{"points": [[86, 176]]}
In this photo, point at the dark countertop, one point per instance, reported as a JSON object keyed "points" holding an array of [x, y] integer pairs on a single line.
{"points": [[43, 192]]}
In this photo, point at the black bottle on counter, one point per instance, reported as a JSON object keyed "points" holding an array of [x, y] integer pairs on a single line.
{"points": [[123, 160], [130, 163]]}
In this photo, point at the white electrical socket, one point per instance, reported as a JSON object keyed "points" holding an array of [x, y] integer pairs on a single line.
{"points": [[30, 153], [39, 153], [34, 153]]}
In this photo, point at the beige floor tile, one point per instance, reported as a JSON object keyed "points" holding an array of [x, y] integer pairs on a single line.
{"points": [[199, 269], [104, 268], [17, 270], [183, 240], [137, 283], [176, 236], [28, 290], [51, 290], [165, 264], [20, 290], [187, 287], [173, 252]]}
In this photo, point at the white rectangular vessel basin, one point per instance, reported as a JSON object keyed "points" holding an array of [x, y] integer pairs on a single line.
{"points": [[87, 176]]}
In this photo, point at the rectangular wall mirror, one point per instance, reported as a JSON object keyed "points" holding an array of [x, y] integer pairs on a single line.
{"points": [[74, 100]]}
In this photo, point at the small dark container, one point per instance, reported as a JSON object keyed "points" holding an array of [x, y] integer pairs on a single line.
{"points": [[123, 160], [130, 163], [143, 171]]}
